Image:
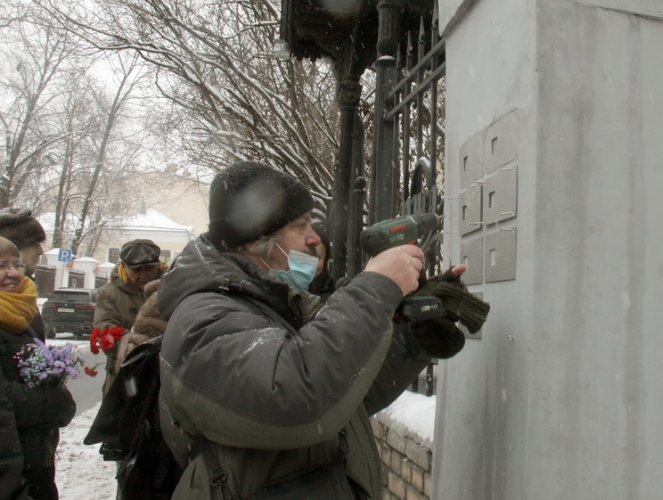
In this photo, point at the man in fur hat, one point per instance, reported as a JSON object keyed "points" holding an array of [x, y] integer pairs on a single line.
{"points": [[23, 230], [119, 300], [278, 385]]}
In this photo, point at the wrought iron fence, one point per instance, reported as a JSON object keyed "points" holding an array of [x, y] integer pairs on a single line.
{"points": [[408, 140]]}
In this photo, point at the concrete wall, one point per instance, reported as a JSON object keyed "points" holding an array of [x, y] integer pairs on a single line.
{"points": [[561, 396]]}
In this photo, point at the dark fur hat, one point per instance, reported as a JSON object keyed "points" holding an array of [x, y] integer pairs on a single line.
{"points": [[137, 253], [249, 200], [21, 228]]}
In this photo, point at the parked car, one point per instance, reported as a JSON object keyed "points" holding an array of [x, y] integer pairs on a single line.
{"points": [[69, 310]]}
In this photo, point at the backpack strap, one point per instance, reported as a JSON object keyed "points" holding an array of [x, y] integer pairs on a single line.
{"points": [[217, 476]]}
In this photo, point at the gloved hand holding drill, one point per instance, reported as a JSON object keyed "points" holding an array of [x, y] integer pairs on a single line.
{"points": [[439, 336], [437, 333], [459, 304]]}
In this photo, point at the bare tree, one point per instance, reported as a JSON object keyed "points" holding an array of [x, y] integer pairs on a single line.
{"points": [[234, 101], [113, 110], [34, 59], [12, 12], [104, 128], [80, 121]]}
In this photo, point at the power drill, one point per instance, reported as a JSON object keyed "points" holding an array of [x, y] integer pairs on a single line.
{"points": [[406, 230]]}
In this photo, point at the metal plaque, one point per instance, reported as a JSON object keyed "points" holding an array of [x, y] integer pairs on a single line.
{"points": [[500, 255], [501, 142], [500, 195], [471, 254], [471, 160], [469, 215]]}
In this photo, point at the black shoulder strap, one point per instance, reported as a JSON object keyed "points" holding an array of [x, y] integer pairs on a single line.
{"points": [[217, 476]]}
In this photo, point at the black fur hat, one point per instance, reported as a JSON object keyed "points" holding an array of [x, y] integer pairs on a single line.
{"points": [[249, 200], [21, 228], [138, 253]]}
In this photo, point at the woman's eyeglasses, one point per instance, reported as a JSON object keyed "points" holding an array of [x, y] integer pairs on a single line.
{"points": [[17, 266]]}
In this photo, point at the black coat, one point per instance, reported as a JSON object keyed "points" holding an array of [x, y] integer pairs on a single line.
{"points": [[12, 485], [39, 411]]}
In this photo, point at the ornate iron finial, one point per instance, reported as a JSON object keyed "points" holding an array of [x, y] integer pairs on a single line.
{"points": [[389, 25]]}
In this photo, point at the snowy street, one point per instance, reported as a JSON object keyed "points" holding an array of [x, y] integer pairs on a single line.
{"points": [[80, 470]]}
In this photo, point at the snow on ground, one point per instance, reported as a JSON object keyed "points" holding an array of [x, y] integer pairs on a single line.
{"points": [[81, 473]]}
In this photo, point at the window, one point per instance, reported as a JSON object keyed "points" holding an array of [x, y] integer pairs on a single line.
{"points": [[114, 255], [165, 256]]}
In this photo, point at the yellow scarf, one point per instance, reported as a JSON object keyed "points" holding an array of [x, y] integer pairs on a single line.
{"points": [[17, 310]]}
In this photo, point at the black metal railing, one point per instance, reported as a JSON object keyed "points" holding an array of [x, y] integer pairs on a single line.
{"points": [[407, 136]]}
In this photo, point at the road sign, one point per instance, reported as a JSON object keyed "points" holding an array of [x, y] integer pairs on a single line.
{"points": [[64, 255]]}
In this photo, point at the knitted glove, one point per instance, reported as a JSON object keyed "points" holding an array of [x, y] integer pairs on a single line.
{"points": [[439, 337], [459, 304]]}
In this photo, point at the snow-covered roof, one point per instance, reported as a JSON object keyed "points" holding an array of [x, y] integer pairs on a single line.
{"points": [[151, 219], [87, 259]]}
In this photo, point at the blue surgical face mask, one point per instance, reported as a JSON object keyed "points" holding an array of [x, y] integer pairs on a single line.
{"points": [[302, 270]]}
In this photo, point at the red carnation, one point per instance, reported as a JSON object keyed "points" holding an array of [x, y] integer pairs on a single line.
{"points": [[105, 338], [116, 332], [106, 342], [92, 372], [93, 341]]}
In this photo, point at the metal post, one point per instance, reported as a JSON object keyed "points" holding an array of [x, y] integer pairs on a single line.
{"points": [[348, 96], [409, 64], [420, 98], [435, 37], [384, 174], [356, 215]]}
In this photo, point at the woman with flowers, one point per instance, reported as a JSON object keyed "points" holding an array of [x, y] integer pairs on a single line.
{"points": [[39, 408]]}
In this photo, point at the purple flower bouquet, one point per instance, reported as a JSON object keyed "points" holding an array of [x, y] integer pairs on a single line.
{"points": [[41, 364]]}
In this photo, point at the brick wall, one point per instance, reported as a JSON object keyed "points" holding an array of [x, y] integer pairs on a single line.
{"points": [[406, 463]]}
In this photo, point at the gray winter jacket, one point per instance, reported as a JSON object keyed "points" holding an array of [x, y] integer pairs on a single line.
{"points": [[274, 402]]}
